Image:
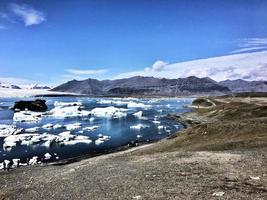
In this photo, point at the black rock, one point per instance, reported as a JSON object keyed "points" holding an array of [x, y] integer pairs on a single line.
{"points": [[38, 105]]}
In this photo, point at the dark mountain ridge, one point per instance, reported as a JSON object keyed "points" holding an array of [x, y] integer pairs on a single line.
{"points": [[147, 86]]}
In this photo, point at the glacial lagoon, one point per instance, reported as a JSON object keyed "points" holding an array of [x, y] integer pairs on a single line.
{"points": [[76, 126]]}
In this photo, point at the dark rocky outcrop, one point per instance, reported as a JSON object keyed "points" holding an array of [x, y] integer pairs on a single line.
{"points": [[38, 105], [147, 86]]}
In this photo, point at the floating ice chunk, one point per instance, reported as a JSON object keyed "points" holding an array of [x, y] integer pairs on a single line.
{"points": [[139, 136], [57, 126], [156, 122], [47, 126], [114, 101], [109, 112], [138, 114], [160, 127], [66, 136], [91, 119], [32, 130], [72, 111], [33, 160], [6, 130], [27, 116], [90, 128], [133, 104], [139, 126], [101, 139], [16, 162], [104, 101], [65, 104], [74, 126], [78, 139], [47, 156]]}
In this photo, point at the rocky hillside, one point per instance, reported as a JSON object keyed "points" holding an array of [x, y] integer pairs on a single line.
{"points": [[239, 85], [139, 85]]}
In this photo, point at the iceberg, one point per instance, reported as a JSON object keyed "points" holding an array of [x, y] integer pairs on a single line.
{"points": [[64, 104], [32, 130], [6, 130], [139, 126], [133, 104], [74, 126], [27, 116], [47, 156], [138, 114], [47, 126], [102, 139], [71, 111], [90, 128], [109, 112]]}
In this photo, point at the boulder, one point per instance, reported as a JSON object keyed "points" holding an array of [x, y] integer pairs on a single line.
{"points": [[38, 105]]}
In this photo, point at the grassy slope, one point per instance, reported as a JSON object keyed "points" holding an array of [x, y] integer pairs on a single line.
{"points": [[233, 124]]}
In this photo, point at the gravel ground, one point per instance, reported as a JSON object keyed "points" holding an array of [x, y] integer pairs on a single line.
{"points": [[123, 175], [224, 157]]}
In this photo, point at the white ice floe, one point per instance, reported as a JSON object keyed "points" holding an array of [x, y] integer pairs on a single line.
{"points": [[91, 119], [32, 130], [16, 162], [6, 130], [109, 112], [114, 101], [33, 160], [57, 126], [47, 156], [69, 111], [27, 116], [133, 104], [101, 139], [68, 139], [160, 127], [74, 126], [138, 114], [45, 139], [47, 126], [66, 104], [156, 122], [90, 128], [139, 126]]}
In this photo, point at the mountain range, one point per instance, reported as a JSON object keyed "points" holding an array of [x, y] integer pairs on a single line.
{"points": [[151, 86]]}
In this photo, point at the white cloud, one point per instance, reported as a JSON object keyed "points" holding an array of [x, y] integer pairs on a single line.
{"points": [[86, 72], [27, 14], [251, 44], [245, 66], [157, 66]]}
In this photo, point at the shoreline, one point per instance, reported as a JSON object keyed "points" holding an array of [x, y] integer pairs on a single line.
{"points": [[223, 156]]}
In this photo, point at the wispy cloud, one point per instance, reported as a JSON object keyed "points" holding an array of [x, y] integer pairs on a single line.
{"points": [[27, 14], [86, 72], [2, 27], [251, 45], [248, 66]]}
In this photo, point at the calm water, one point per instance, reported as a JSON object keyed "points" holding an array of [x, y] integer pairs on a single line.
{"points": [[153, 125]]}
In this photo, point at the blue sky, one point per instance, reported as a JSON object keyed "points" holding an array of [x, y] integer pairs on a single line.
{"points": [[54, 41]]}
